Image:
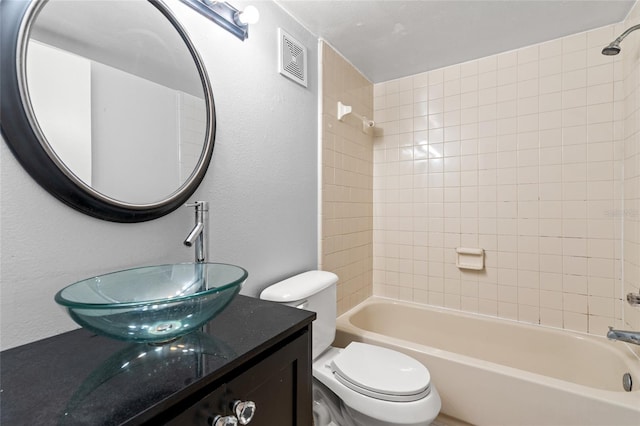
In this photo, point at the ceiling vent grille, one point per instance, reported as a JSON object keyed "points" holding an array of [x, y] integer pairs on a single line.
{"points": [[292, 61]]}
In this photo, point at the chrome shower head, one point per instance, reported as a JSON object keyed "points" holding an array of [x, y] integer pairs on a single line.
{"points": [[614, 47]]}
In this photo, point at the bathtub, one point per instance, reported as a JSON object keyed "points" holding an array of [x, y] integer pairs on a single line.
{"points": [[491, 371]]}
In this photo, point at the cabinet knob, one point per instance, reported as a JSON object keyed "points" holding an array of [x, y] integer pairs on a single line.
{"points": [[225, 421], [244, 411]]}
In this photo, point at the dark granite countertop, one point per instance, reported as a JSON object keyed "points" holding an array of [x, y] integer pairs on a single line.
{"points": [[80, 378]]}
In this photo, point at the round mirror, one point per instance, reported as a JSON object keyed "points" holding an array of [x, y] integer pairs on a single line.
{"points": [[106, 104]]}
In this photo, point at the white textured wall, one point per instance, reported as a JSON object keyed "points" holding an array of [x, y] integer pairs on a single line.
{"points": [[261, 186]]}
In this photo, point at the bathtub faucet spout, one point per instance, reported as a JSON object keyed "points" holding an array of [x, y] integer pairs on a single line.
{"points": [[624, 336]]}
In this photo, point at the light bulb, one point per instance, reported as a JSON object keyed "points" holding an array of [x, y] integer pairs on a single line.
{"points": [[249, 15]]}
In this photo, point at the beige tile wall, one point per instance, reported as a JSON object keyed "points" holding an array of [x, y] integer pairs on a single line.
{"points": [[347, 180], [631, 209], [520, 154]]}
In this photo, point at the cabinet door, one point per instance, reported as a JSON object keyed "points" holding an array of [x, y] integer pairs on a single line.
{"points": [[200, 414], [278, 382], [280, 386]]}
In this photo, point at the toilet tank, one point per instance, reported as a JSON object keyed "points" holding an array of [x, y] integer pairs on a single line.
{"points": [[314, 291]]}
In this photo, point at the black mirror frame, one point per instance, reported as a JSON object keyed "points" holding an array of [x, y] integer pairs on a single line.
{"points": [[31, 153]]}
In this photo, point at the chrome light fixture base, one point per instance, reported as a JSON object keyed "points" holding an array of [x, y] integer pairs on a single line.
{"points": [[223, 14]]}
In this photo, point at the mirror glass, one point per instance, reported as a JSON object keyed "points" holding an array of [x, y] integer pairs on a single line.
{"points": [[116, 97]]}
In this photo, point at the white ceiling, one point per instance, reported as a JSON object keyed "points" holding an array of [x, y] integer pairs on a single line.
{"points": [[388, 39]]}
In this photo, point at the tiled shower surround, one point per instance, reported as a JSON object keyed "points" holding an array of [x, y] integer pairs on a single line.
{"points": [[520, 154], [347, 180], [532, 155]]}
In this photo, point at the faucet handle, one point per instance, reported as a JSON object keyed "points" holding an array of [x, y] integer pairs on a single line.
{"points": [[633, 299], [199, 205]]}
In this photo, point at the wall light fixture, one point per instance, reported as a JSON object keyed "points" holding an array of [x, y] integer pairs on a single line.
{"points": [[228, 17]]}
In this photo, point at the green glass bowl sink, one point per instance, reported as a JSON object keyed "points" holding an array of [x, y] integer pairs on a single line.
{"points": [[152, 304]]}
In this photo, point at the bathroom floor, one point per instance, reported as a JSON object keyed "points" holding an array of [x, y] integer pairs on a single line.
{"points": [[444, 420]]}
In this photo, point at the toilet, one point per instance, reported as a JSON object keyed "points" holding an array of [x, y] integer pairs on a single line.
{"points": [[362, 384]]}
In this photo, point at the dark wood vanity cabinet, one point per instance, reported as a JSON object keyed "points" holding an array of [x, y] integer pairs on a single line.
{"points": [[278, 382], [253, 351]]}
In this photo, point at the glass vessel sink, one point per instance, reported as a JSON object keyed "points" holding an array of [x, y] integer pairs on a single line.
{"points": [[152, 304]]}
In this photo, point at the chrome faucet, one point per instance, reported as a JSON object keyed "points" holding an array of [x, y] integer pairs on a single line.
{"points": [[198, 234], [624, 336]]}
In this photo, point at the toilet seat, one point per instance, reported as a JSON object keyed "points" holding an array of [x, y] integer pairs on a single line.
{"points": [[396, 377], [374, 410]]}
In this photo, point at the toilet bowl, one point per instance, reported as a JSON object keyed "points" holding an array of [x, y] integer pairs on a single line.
{"points": [[377, 386], [362, 384]]}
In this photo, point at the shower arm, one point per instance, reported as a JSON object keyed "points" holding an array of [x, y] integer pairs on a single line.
{"points": [[625, 34]]}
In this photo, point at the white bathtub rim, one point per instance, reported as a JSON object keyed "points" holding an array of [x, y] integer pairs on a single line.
{"points": [[620, 398], [471, 315], [574, 333]]}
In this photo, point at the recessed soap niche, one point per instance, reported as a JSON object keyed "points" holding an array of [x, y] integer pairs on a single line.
{"points": [[470, 258]]}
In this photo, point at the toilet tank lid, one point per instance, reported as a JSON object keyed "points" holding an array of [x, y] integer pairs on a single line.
{"points": [[299, 286]]}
